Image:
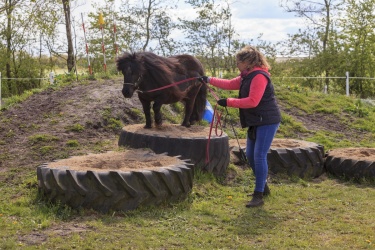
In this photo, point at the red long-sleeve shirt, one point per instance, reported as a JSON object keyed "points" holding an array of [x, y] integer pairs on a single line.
{"points": [[257, 88]]}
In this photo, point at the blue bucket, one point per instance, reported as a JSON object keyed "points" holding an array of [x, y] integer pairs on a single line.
{"points": [[208, 112]]}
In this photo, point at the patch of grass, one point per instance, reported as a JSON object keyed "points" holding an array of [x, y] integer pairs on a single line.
{"points": [[289, 126], [137, 112], [332, 140], [103, 145], [111, 122], [6, 120], [10, 133], [75, 128], [114, 124], [20, 98], [38, 138], [34, 126], [170, 115], [44, 150], [72, 143]]}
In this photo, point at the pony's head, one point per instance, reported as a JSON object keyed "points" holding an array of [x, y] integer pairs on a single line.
{"points": [[131, 67]]}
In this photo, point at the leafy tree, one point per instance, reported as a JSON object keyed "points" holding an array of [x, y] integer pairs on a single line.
{"points": [[358, 28], [148, 25], [210, 33], [320, 16], [21, 31]]}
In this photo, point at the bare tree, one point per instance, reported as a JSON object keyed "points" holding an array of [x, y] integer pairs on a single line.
{"points": [[70, 58]]}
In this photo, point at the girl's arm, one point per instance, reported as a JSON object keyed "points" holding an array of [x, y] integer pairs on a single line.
{"points": [[231, 84], [257, 88]]}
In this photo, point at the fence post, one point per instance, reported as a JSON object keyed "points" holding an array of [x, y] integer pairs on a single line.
{"points": [[347, 83], [51, 77]]}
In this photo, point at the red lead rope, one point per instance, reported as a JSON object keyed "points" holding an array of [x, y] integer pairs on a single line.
{"points": [[218, 122], [218, 116], [173, 84]]}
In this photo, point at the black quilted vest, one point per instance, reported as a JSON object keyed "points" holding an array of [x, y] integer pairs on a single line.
{"points": [[267, 111]]}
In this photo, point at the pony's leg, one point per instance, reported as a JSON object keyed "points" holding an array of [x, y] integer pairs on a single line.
{"points": [[190, 117], [189, 104], [158, 117], [147, 110]]}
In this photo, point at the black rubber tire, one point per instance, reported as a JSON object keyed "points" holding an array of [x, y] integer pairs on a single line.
{"points": [[115, 190], [304, 162], [348, 168], [188, 148]]}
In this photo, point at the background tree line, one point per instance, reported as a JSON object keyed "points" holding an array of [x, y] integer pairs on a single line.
{"points": [[338, 37]]}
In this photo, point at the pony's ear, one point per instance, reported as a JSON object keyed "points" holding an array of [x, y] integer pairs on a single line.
{"points": [[120, 62]]}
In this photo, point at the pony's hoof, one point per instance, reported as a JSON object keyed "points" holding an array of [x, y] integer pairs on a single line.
{"points": [[147, 126], [186, 125]]}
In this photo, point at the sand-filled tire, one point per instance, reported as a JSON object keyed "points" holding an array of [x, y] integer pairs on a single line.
{"points": [[115, 190], [295, 158], [300, 158], [351, 163], [188, 143]]}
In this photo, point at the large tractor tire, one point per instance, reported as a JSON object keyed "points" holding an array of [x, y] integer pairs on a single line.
{"points": [[351, 163], [188, 143], [301, 158], [114, 190], [293, 157]]}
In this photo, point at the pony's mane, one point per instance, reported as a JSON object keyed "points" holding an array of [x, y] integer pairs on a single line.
{"points": [[160, 69]]}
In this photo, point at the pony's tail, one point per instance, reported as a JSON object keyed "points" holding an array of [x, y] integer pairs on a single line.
{"points": [[200, 103]]}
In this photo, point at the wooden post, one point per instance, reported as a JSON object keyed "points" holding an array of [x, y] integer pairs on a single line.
{"points": [[87, 47], [101, 22], [347, 83]]}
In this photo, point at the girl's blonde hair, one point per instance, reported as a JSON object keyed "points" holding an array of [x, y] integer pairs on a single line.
{"points": [[252, 57]]}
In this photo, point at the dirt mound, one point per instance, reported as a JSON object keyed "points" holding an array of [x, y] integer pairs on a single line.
{"points": [[60, 122]]}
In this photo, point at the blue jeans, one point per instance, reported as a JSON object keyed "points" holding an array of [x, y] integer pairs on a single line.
{"points": [[256, 153]]}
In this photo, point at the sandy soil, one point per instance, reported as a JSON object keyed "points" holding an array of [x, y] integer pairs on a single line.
{"points": [[364, 154], [276, 143], [171, 130], [128, 160]]}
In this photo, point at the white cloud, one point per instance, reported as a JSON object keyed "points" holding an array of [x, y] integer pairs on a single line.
{"points": [[250, 18], [273, 30]]}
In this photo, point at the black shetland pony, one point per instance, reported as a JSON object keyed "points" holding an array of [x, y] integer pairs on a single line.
{"points": [[145, 72]]}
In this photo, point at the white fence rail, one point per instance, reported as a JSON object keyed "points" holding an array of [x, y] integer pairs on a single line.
{"points": [[52, 79], [347, 88]]}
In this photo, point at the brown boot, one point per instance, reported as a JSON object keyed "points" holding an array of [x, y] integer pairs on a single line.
{"points": [[257, 200], [266, 191]]}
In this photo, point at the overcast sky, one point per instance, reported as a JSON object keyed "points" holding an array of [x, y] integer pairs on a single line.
{"points": [[250, 18]]}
